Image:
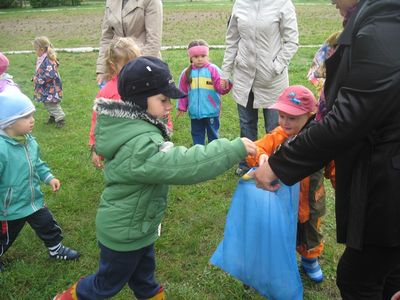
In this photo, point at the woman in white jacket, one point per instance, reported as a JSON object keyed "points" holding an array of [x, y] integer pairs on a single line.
{"points": [[262, 38]]}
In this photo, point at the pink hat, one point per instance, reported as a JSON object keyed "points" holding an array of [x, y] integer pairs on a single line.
{"points": [[295, 100], [3, 63]]}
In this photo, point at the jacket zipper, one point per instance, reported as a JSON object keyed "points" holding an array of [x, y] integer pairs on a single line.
{"points": [[30, 178], [7, 202], [198, 92]]}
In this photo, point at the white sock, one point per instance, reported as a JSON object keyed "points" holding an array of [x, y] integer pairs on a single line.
{"points": [[54, 250]]}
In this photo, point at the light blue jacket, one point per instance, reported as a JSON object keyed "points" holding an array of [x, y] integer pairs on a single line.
{"points": [[21, 171]]}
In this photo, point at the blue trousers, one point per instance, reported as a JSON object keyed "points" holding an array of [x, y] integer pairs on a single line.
{"points": [[248, 118], [201, 126], [42, 221], [136, 268]]}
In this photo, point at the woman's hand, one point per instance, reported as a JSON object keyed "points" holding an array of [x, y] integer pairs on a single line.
{"points": [[266, 178], [396, 296]]}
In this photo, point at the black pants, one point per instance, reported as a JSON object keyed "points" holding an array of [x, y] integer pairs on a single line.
{"points": [[41, 221], [370, 274]]}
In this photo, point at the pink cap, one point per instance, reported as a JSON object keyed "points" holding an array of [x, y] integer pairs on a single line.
{"points": [[198, 50], [3, 63], [296, 100]]}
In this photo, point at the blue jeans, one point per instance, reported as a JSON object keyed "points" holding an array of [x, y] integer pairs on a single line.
{"points": [[201, 126], [118, 268], [248, 118]]}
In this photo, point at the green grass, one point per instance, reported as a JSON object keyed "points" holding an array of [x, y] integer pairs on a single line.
{"points": [[195, 217]]}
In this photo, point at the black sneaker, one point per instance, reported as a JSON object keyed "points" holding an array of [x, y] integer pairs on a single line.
{"points": [[1, 266], [60, 124], [51, 120], [65, 253]]}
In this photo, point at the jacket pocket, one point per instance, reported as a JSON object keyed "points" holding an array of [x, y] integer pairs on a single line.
{"points": [[153, 215], [396, 162]]}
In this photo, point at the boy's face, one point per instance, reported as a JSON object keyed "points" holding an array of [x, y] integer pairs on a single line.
{"points": [[292, 124], [159, 106], [22, 126], [199, 60]]}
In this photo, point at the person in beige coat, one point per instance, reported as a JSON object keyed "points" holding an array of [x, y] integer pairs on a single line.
{"points": [[261, 39], [140, 20]]}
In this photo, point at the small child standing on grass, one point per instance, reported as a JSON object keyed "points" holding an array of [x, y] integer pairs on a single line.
{"points": [[201, 82], [296, 105], [119, 52], [47, 81], [140, 164], [21, 171]]}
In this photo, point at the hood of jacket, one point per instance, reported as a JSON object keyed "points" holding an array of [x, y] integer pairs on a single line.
{"points": [[118, 122]]}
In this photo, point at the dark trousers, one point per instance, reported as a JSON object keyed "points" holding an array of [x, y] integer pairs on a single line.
{"points": [[370, 274], [248, 118], [118, 268], [202, 126], [41, 221]]}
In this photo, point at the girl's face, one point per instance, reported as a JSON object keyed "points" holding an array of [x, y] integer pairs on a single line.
{"points": [[118, 66], [22, 126], [199, 60], [39, 51], [158, 106], [292, 124]]}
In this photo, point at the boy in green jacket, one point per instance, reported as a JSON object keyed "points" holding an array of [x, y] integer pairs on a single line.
{"points": [[21, 172], [140, 163]]}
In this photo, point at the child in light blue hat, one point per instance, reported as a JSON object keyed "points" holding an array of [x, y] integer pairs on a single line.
{"points": [[21, 172]]}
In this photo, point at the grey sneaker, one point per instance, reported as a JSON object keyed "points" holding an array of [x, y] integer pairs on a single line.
{"points": [[51, 120], [60, 124]]}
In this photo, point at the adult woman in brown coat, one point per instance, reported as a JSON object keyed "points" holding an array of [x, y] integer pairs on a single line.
{"points": [[140, 20]]}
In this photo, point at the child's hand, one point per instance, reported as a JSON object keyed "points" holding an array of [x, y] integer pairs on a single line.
{"points": [[262, 159], [97, 161], [224, 84], [180, 113], [100, 78], [55, 184], [251, 148]]}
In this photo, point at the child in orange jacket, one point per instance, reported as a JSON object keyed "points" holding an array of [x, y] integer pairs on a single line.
{"points": [[296, 105]]}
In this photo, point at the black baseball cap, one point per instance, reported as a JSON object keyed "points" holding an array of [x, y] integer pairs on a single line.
{"points": [[146, 76]]}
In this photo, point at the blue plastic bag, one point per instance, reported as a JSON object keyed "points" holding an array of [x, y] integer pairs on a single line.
{"points": [[259, 245]]}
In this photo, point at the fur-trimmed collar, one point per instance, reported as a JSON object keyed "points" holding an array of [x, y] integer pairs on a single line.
{"points": [[127, 110]]}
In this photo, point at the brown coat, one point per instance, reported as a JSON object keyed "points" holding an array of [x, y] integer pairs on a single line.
{"points": [[140, 19]]}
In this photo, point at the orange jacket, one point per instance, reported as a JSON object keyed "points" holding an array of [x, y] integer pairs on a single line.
{"points": [[312, 191]]}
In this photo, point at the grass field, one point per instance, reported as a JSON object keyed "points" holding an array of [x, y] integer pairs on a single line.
{"points": [[195, 218]]}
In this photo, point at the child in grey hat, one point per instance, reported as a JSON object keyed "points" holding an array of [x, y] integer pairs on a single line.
{"points": [[21, 172], [140, 163]]}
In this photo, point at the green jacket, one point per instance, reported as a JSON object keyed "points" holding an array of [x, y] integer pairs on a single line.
{"points": [[139, 166], [21, 171]]}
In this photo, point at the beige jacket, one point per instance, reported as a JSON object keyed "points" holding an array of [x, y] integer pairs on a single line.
{"points": [[261, 40], [140, 19]]}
